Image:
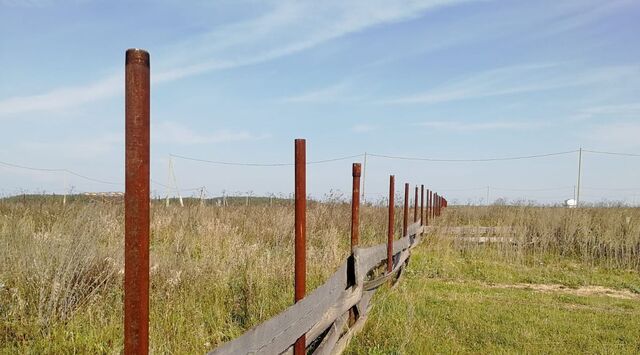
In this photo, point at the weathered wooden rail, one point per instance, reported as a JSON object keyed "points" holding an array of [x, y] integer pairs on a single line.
{"points": [[322, 322], [323, 315]]}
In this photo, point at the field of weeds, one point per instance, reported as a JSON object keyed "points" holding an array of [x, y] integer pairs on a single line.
{"points": [[217, 271]]}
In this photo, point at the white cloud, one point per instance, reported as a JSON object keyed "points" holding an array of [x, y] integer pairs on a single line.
{"points": [[518, 79], [363, 128], [615, 136], [482, 126], [335, 93], [173, 132], [289, 27], [612, 111], [81, 148], [64, 97]]}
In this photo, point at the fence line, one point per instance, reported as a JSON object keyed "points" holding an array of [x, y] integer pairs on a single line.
{"points": [[322, 322]]}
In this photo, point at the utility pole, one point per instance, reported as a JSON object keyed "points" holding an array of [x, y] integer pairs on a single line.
{"points": [[169, 180], [172, 176], [202, 196], [364, 174], [579, 175], [64, 196], [487, 195]]}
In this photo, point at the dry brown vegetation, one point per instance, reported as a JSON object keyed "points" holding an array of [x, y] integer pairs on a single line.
{"points": [[216, 272], [608, 237]]}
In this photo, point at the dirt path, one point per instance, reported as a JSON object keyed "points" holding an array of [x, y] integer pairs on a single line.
{"points": [[579, 291]]}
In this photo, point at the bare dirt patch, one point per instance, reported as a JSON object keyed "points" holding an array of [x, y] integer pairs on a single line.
{"points": [[580, 291]]}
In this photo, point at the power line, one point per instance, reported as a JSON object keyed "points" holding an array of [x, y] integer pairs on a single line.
{"points": [[611, 153], [537, 189], [473, 160], [613, 189], [30, 168], [58, 170], [263, 164]]}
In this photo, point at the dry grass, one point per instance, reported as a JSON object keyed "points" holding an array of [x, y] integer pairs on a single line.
{"points": [[216, 272], [608, 237]]}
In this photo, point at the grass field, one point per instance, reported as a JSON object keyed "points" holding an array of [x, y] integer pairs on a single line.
{"points": [[458, 302], [216, 272]]}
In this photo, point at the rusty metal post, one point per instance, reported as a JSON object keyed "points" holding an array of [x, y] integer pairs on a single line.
{"points": [[355, 206], [405, 217], [435, 205], [426, 215], [300, 231], [422, 205], [136, 202], [391, 224], [415, 206], [431, 204]]}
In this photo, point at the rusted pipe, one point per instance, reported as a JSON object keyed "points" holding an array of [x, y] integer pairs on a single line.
{"points": [[415, 206], [300, 231], [355, 206], [422, 205], [426, 215], [405, 217], [136, 202], [391, 224], [435, 205]]}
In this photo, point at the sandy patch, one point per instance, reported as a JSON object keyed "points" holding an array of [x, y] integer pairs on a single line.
{"points": [[580, 291]]}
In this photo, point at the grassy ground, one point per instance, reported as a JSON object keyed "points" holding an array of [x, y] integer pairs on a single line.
{"points": [[455, 300], [216, 272]]}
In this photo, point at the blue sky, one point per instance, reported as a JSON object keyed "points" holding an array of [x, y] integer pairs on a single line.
{"points": [[239, 80]]}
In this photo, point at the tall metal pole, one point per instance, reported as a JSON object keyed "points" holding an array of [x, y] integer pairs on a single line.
{"points": [[136, 202], [579, 176], [405, 212], [430, 207], [487, 195], [300, 231], [391, 224], [355, 206], [426, 215], [415, 206], [64, 196], [422, 205]]}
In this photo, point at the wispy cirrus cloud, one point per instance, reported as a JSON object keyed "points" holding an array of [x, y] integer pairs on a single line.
{"points": [[483, 126], [364, 128], [288, 27], [611, 112], [517, 79], [620, 135], [341, 92], [177, 133]]}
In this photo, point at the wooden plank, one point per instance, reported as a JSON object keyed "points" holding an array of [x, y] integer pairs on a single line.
{"points": [[341, 345], [320, 309], [333, 336], [413, 229], [278, 333], [370, 285], [472, 231], [348, 299], [371, 257]]}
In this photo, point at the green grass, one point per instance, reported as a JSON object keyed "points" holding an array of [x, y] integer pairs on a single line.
{"points": [[448, 302], [216, 272]]}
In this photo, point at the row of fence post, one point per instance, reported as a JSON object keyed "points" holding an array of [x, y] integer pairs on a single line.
{"points": [[435, 203], [137, 214]]}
